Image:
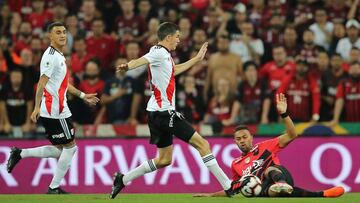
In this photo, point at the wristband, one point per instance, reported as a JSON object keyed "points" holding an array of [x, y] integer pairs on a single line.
{"points": [[284, 115], [82, 95]]}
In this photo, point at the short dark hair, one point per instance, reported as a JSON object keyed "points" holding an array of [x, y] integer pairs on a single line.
{"points": [[248, 64], [166, 29], [55, 24], [241, 127]]}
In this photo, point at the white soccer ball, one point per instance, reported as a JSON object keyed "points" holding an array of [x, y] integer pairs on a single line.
{"points": [[250, 186]]}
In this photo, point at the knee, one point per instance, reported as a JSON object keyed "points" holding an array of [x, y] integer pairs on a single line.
{"points": [[269, 169]]}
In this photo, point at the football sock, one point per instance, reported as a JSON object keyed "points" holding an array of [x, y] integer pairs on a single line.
{"points": [[277, 176], [299, 192], [146, 167], [43, 152], [213, 166], [63, 166]]}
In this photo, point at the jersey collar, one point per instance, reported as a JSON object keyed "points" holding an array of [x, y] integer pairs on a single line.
{"points": [[163, 47], [57, 50]]}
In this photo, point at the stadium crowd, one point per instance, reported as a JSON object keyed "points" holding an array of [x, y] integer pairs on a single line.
{"points": [[306, 49]]}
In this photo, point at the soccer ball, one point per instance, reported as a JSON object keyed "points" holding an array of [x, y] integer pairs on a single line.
{"points": [[250, 186]]}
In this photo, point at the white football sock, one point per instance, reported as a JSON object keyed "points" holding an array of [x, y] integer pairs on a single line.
{"points": [[42, 152], [146, 167], [211, 163], [63, 166]]}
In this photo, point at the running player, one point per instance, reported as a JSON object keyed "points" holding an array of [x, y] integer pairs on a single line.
{"points": [[163, 120]]}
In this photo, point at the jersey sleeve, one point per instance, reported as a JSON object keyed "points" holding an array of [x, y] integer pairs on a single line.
{"points": [[153, 55], [47, 66], [340, 93], [272, 145]]}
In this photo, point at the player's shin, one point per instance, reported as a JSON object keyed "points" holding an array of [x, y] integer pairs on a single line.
{"points": [[211, 163], [146, 167], [299, 192], [41, 152], [63, 165]]}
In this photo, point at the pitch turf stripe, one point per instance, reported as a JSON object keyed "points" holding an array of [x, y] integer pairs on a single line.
{"points": [[152, 166], [65, 128], [208, 158]]}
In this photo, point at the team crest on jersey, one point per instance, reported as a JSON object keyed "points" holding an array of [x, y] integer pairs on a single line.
{"points": [[247, 160], [47, 64]]}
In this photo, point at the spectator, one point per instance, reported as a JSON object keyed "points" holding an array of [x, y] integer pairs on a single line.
{"points": [[275, 72], [129, 23], [87, 15], [322, 65], [39, 16], [14, 26], [291, 42], [354, 55], [338, 10], [80, 57], [212, 25], [347, 96], [185, 38], [72, 27], [256, 13], [233, 26], [223, 64], [247, 46], [273, 32], [309, 49], [223, 109], [352, 40], [5, 19], [36, 49], [338, 34], [189, 100], [17, 104], [117, 96], [252, 92], [198, 39], [91, 84], [151, 34], [23, 39], [302, 93], [60, 11], [329, 82], [133, 52], [101, 45], [322, 29], [303, 14], [146, 11]]}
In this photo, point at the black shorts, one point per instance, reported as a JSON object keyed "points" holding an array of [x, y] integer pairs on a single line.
{"points": [[164, 124], [58, 131], [267, 182]]}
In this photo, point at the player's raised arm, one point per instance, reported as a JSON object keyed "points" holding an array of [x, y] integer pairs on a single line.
{"points": [[188, 64], [290, 134], [39, 92], [132, 64]]}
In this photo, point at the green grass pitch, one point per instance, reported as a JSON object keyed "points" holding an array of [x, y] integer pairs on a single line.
{"points": [[166, 198]]}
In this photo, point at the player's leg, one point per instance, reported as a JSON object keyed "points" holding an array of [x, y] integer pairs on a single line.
{"points": [[64, 131], [160, 136], [281, 181], [52, 130]]}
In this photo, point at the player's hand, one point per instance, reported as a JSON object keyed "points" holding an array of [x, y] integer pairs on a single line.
{"points": [[91, 99], [281, 104], [202, 195], [35, 114], [122, 67], [7, 127], [202, 51]]}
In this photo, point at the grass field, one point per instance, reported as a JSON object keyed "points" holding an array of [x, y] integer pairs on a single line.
{"points": [[166, 198]]}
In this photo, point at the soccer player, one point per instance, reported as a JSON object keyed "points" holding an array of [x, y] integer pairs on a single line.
{"points": [[163, 120], [52, 109], [261, 160]]}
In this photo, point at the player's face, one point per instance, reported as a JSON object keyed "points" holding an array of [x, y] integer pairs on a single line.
{"points": [[244, 140], [58, 36], [174, 40]]}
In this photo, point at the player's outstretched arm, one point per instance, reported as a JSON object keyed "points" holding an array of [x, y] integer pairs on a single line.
{"points": [[132, 64], [39, 92], [188, 64], [214, 194], [90, 99], [290, 134]]}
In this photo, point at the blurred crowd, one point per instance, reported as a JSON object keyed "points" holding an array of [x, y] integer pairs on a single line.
{"points": [[307, 49]]}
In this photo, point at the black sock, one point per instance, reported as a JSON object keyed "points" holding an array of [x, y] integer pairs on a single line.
{"points": [[277, 176], [299, 192]]}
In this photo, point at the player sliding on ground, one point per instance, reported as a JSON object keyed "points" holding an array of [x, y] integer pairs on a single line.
{"points": [[164, 122], [261, 160], [51, 106]]}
